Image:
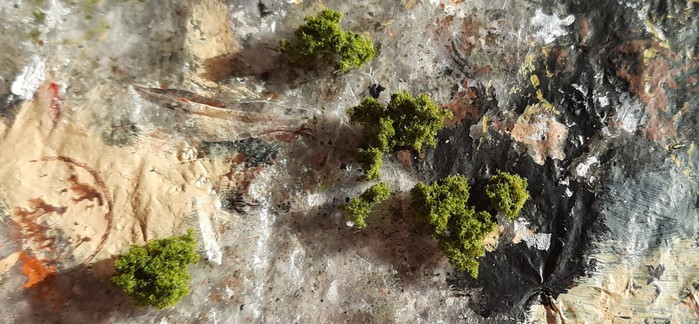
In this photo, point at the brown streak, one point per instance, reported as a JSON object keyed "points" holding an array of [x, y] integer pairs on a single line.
{"points": [[84, 191], [27, 220], [100, 183]]}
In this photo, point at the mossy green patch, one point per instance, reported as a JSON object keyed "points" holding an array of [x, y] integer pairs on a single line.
{"points": [[322, 37], [507, 193], [157, 274], [360, 207], [459, 229], [406, 121]]}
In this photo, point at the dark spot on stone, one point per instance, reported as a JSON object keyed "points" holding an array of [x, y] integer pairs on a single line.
{"points": [[256, 152], [375, 90], [264, 10], [121, 133], [236, 201], [655, 272]]}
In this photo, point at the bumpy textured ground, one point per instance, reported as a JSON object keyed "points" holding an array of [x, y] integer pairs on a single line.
{"points": [[123, 121]]}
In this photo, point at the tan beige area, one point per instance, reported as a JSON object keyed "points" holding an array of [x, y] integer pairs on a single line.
{"points": [[619, 292], [539, 131], [77, 200], [210, 41]]}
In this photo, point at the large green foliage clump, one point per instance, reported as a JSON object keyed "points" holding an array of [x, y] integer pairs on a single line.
{"points": [[321, 37], [507, 193], [360, 207], [157, 274], [406, 121], [459, 229]]}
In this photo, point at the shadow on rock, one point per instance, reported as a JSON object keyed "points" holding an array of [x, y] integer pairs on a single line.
{"points": [[83, 294], [263, 60], [393, 235]]}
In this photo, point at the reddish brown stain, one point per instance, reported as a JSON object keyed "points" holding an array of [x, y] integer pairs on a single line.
{"points": [[405, 159], [584, 30], [561, 61], [84, 191], [31, 228], [55, 106], [83, 240], [647, 79], [443, 24], [103, 188], [461, 107]]}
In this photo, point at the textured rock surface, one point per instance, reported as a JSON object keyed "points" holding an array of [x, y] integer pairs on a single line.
{"points": [[122, 121]]}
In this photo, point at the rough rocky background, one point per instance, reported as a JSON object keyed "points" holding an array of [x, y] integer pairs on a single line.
{"points": [[123, 121]]}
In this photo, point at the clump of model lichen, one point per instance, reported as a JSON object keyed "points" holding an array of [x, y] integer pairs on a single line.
{"points": [[406, 122], [459, 228], [322, 38], [360, 207], [507, 193], [157, 274]]}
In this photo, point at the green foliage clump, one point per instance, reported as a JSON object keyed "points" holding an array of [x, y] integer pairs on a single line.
{"points": [[157, 274], [321, 37], [465, 241], [360, 207], [459, 229], [507, 193], [406, 121]]}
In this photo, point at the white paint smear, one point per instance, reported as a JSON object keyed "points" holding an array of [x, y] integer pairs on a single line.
{"points": [[630, 114], [539, 241], [582, 168], [549, 27], [31, 78], [213, 250]]}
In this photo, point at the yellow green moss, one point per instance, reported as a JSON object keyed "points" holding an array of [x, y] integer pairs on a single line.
{"points": [[322, 37], [507, 193], [406, 121], [459, 229], [157, 274], [360, 207]]}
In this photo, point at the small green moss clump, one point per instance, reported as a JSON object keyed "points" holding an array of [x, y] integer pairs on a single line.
{"points": [[507, 193], [157, 274], [406, 121], [321, 37], [360, 207], [459, 229]]}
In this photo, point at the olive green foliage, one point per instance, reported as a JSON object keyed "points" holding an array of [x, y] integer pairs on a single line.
{"points": [[406, 121], [360, 207], [507, 193], [321, 37], [157, 274], [459, 229]]}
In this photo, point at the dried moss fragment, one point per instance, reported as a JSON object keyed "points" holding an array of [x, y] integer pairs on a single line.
{"points": [[360, 207], [406, 121], [322, 37], [459, 229], [507, 193], [157, 274]]}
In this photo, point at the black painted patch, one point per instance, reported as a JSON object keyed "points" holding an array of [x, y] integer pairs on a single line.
{"points": [[256, 152]]}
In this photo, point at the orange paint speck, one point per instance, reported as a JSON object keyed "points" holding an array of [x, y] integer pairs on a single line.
{"points": [[35, 270]]}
